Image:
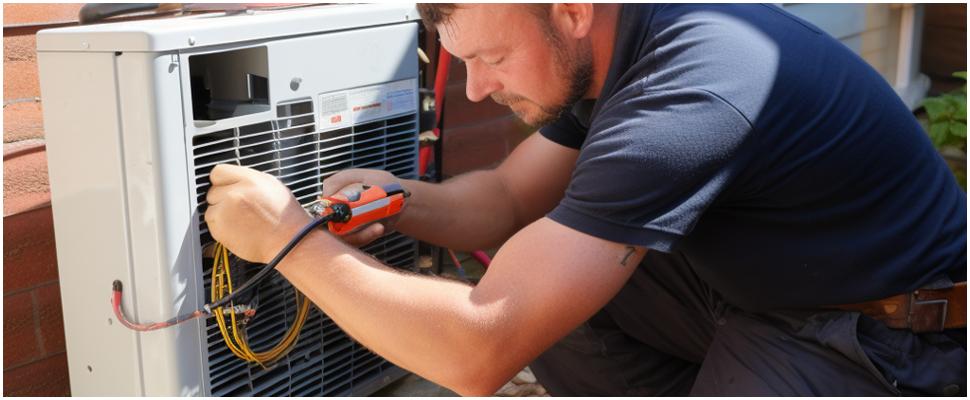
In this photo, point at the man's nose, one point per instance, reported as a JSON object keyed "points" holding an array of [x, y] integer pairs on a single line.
{"points": [[479, 83]]}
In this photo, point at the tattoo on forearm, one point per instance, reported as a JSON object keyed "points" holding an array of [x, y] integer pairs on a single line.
{"points": [[629, 252]]}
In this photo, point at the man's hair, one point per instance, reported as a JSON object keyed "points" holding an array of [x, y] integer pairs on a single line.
{"points": [[433, 14]]}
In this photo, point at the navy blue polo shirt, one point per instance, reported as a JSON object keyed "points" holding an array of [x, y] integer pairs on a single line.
{"points": [[780, 164]]}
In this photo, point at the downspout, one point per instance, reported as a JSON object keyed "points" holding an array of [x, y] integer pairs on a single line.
{"points": [[909, 83]]}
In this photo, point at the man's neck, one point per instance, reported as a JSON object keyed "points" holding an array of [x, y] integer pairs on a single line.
{"points": [[602, 37]]}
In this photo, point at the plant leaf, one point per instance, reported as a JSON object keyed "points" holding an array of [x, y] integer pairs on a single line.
{"points": [[935, 108], [959, 130], [962, 75], [938, 134], [960, 114]]}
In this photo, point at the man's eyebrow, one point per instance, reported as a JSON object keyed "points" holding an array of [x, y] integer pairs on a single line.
{"points": [[486, 51]]}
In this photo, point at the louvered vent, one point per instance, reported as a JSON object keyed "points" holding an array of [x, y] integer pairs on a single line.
{"points": [[325, 361]]}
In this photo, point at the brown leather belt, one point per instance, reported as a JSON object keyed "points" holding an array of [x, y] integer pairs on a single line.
{"points": [[923, 310]]}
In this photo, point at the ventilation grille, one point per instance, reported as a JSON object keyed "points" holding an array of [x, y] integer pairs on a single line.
{"points": [[325, 361]]}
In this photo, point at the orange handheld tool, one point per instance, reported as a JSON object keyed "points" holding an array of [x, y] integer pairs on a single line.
{"points": [[374, 203]]}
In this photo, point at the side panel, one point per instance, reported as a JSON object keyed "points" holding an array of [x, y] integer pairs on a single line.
{"points": [[84, 156], [159, 214], [320, 64], [342, 60]]}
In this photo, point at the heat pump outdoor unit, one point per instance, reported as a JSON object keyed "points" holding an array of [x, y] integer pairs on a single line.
{"points": [[136, 115]]}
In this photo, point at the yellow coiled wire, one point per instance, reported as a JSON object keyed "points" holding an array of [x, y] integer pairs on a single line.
{"points": [[236, 341]]}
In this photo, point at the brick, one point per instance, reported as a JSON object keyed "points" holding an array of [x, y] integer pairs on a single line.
{"points": [[944, 51], [25, 185], [19, 48], [944, 40], [18, 14], [946, 15], [22, 121], [461, 111], [19, 331], [20, 80], [480, 146], [51, 318], [29, 257], [46, 377]]}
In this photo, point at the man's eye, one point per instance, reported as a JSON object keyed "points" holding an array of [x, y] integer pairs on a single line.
{"points": [[495, 62]]}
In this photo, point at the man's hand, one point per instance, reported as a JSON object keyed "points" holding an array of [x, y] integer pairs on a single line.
{"points": [[348, 182], [252, 213]]}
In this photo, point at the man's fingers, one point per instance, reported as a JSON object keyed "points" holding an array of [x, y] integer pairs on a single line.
{"points": [[338, 181], [211, 217], [364, 236], [350, 191], [216, 194], [226, 174]]}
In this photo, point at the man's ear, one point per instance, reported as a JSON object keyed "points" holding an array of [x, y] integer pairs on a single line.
{"points": [[573, 19]]}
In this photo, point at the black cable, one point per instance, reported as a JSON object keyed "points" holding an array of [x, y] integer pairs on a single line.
{"points": [[341, 213]]}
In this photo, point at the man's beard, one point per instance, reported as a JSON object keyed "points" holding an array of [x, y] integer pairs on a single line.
{"points": [[574, 70]]}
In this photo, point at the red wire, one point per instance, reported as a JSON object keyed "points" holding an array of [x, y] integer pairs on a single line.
{"points": [[482, 258], [440, 83], [424, 157], [425, 153], [458, 267], [120, 315]]}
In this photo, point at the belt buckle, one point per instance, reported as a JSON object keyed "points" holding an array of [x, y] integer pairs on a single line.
{"points": [[926, 315]]}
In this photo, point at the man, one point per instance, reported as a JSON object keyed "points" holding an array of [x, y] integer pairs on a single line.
{"points": [[710, 184]]}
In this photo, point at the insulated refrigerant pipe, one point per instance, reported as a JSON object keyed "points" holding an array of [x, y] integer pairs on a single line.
{"points": [[440, 84]]}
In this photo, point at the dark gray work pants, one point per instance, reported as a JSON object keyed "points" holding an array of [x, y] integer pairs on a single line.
{"points": [[667, 333]]}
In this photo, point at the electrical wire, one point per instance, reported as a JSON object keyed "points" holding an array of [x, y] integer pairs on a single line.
{"points": [[340, 212], [233, 334], [151, 326], [221, 288], [482, 258], [441, 81], [458, 267]]}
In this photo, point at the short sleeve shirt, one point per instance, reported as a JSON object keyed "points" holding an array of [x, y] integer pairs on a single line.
{"points": [[781, 165]]}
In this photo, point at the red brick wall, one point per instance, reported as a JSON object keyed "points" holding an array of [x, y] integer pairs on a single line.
{"points": [[34, 358], [476, 135], [944, 40]]}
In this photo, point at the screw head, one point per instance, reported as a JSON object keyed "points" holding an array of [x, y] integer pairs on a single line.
{"points": [[295, 83]]}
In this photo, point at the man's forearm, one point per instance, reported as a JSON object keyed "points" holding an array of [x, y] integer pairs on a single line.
{"points": [[469, 339], [482, 209], [468, 212], [426, 325]]}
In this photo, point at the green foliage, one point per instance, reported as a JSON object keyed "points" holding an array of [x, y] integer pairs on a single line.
{"points": [[946, 124]]}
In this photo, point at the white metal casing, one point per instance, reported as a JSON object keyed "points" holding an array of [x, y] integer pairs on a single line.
{"points": [[119, 128]]}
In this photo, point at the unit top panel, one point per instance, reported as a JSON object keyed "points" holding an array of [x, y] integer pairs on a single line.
{"points": [[171, 34]]}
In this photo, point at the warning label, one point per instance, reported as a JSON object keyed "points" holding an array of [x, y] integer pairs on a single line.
{"points": [[351, 107]]}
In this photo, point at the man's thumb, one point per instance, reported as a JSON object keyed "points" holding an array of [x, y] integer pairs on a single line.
{"points": [[338, 181]]}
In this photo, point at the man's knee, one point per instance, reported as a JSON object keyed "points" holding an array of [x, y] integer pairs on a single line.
{"points": [[597, 358]]}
